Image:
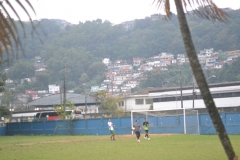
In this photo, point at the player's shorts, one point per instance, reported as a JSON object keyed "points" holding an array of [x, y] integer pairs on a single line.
{"points": [[112, 131]]}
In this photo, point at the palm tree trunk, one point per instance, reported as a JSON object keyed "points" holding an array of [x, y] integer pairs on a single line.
{"points": [[201, 81]]}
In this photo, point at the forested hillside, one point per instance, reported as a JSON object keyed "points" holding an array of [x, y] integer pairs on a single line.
{"points": [[80, 48]]}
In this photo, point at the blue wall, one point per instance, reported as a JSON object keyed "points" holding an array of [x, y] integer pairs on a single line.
{"points": [[168, 124], [2, 131]]}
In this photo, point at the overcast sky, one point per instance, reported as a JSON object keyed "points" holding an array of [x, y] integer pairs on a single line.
{"points": [[116, 11]]}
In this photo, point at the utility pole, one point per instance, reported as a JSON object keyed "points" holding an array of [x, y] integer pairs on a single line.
{"points": [[85, 109], [194, 85], [181, 88], [112, 82], [64, 87], [193, 93]]}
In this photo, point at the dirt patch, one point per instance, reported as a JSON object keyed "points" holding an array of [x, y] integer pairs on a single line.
{"points": [[25, 144]]}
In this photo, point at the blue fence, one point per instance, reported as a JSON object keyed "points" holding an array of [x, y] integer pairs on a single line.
{"points": [[2, 131], [169, 124]]}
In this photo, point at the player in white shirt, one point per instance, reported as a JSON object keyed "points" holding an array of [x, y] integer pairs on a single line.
{"points": [[111, 129]]}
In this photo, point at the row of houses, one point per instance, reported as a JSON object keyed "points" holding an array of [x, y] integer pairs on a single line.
{"points": [[52, 89], [226, 95], [121, 77]]}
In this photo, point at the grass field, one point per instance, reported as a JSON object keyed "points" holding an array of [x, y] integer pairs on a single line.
{"points": [[164, 147]]}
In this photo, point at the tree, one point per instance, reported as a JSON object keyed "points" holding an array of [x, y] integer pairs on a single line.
{"points": [[207, 9], [7, 97], [110, 104], [22, 70], [4, 111], [42, 79], [96, 68], [65, 113], [84, 78], [3, 78]]}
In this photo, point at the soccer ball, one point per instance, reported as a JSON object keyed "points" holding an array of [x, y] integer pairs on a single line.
{"points": [[133, 128]]}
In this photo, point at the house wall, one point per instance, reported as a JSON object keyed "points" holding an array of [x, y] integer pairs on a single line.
{"points": [[130, 104]]}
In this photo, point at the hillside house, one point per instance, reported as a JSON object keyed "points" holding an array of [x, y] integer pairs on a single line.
{"points": [[126, 69], [106, 61], [174, 61], [126, 89], [211, 61], [132, 84], [33, 94], [155, 17], [181, 58], [166, 60], [53, 89], [128, 25], [232, 55], [207, 52], [136, 62], [120, 78], [218, 66], [145, 68]]}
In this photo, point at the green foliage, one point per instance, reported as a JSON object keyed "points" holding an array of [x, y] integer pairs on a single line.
{"points": [[42, 79], [229, 72], [222, 56], [119, 112], [3, 78], [95, 69], [80, 48], [4, 111], [84, 78], [110, 103], [7, 97], [63, 110], [22, 70], [151, 107], [100, 95], [170, 78]]}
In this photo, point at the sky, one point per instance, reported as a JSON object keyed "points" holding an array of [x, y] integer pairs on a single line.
{"points": [[115, 11]]}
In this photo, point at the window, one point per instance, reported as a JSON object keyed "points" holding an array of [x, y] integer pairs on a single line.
{"points": [[236, 94], [199, 97], [221, 95], [156, 99], [171, 99], [121, 103], [138, 101], [148, 101], [186, 98], [227, 94], [192, 97], [164, 99], [216, 95]]}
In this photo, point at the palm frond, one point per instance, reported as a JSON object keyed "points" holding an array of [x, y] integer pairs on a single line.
{"points": [[202, 8], [8, 30]]}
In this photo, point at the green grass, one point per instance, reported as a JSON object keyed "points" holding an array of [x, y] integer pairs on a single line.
{"points": [[164, 147]]}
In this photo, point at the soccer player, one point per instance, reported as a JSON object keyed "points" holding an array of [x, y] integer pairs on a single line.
{"points": [[111, 129], [145, 127], [137, 129]]}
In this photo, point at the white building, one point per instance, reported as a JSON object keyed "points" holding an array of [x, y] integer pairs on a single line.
{"points": [[53, 89], [137, 101], [106, 61]]}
